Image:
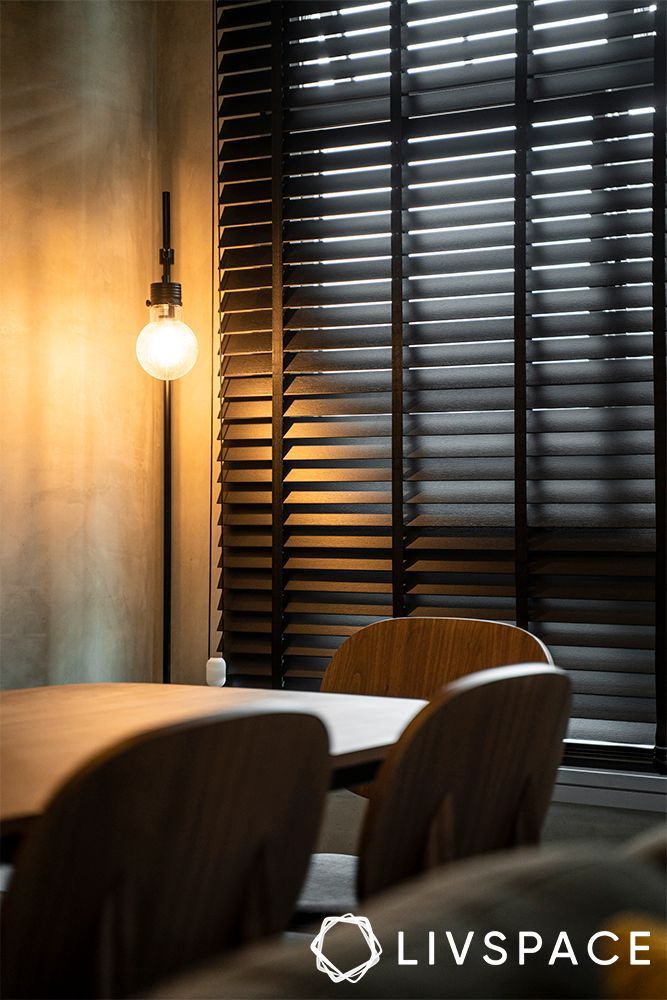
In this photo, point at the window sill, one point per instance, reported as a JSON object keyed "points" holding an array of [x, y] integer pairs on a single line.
{"points": [[611, 788]]}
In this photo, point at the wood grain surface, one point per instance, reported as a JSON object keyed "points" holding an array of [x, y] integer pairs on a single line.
{"points": [[167, 849], [416, 657], [48, 733], [473, 773]]}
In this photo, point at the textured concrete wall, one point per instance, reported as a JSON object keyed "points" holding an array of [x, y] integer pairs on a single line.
{"points": [[80, 419]]}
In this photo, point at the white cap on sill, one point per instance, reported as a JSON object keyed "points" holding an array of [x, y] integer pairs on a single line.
{"points": [[216, 672]]}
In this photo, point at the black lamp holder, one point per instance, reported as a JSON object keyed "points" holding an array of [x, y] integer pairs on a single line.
{"points": [[166, 291]]}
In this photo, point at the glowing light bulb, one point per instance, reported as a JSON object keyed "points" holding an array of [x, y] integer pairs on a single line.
{"points": [[166, 347]]}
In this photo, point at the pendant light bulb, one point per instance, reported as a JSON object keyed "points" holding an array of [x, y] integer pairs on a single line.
{"points": [[166, 347]]}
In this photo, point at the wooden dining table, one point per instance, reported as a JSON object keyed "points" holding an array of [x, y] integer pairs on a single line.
{"points": [[48, 733]]}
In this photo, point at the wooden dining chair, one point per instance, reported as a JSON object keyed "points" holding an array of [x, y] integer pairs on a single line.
{"points": [[174, 846], [416, 657], [472, 773]]}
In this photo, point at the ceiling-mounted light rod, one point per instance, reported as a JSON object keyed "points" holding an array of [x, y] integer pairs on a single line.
{"points": [[166, 349], [166, 253]]}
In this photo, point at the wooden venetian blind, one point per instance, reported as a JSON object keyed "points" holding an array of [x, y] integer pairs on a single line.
{"points": [[442, 271]]}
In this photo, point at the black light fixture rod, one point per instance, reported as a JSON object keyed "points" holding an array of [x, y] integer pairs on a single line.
{"points": [[166, 253], [170, 293], [166, 539], [166, 220]]}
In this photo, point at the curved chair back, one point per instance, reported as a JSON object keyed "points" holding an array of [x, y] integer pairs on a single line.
{"points": [[172, 847], [472, 773], [416, 657]]}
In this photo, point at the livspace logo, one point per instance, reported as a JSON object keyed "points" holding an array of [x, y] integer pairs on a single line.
{"points": [[325, 964], [497, 949]]}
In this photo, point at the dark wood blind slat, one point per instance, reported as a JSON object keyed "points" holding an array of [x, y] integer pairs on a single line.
{"points": [[461, 325]]}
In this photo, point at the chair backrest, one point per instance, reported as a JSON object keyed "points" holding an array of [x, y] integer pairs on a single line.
{"points": [[416, 657], [472, 773], [172, 847]]}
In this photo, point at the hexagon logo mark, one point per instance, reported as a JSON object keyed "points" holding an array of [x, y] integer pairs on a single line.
{"points": [[325, 964]]}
